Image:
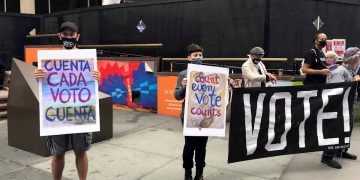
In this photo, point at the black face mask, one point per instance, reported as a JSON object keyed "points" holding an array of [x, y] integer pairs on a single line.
{"points": [[196, 60], [322, 43], [69, 43], [256, 61]]}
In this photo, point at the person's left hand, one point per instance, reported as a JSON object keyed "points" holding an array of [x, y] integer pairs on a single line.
{"points": [[356, 78], [272, 78], [96, 74], [39, 73]]}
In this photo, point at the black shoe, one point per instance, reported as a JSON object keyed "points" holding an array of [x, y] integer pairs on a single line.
{"points": [[332, 163], [346, 155], [188, 174], [188, 177], [200, 177], [199, 173]]}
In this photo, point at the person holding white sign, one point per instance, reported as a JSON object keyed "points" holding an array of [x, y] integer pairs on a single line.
{"points": [[254, 71], [69, 36], [192, 143]]}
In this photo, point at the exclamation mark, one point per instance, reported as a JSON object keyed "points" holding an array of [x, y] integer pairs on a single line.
{"points": [[346, 114]]}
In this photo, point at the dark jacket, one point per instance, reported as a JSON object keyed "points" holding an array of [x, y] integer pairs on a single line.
{"points": [[180, 91]]}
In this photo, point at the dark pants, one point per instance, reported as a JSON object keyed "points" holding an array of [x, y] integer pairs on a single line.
{"points": [[329, 154], [197, 144], [2, 73]]}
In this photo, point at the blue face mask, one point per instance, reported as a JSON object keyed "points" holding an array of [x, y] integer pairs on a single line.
{"points": [[356, 68], [196, 60]]}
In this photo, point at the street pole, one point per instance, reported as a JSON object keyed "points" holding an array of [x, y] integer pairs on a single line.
{"points": [[49, 6], [4, 5]]}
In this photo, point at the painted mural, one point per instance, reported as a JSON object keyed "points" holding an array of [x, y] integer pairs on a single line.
{"points": [[129, 84]]}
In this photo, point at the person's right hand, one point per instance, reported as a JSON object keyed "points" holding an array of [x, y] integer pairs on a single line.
{"points": [[325, 72], [184, 81], [39, 73]]}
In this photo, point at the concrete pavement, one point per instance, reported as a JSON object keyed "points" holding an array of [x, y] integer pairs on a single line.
{"points": [[308, 166], [148, 146]]}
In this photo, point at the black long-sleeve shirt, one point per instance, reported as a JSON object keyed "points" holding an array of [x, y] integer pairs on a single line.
{"points": [[180, 91]]}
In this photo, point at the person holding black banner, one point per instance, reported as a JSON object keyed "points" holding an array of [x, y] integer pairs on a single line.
{"points": [[347, 73], [69, 36], [254, 71], [192, 143], [331, 59], [316, 73]]}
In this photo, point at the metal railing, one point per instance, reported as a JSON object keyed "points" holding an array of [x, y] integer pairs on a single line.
{"points": [[219, 62]]}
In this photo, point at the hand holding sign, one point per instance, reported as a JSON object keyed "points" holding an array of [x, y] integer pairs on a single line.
{"points": [[184, 82], [356, 78], [231, 83], [96, 74], [40, 73]]}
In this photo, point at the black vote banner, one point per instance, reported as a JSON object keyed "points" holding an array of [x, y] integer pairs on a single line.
{"points": [[277, 121]]}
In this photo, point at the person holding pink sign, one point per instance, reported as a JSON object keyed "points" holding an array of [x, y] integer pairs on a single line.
{"points": [[58, 145]]}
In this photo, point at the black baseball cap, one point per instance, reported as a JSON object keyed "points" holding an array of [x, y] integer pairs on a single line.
{"points": [[69, 25]]}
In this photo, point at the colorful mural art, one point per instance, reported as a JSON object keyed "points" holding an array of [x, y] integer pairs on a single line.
{"points": [[129, 84]]}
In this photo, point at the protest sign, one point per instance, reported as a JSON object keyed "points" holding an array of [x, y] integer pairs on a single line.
{"points": [[68, 94], [206, 100], [276, 121]]}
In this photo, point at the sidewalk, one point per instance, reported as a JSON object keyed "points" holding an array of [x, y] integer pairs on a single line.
{"points": [[148, 146], [308, 165]]}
